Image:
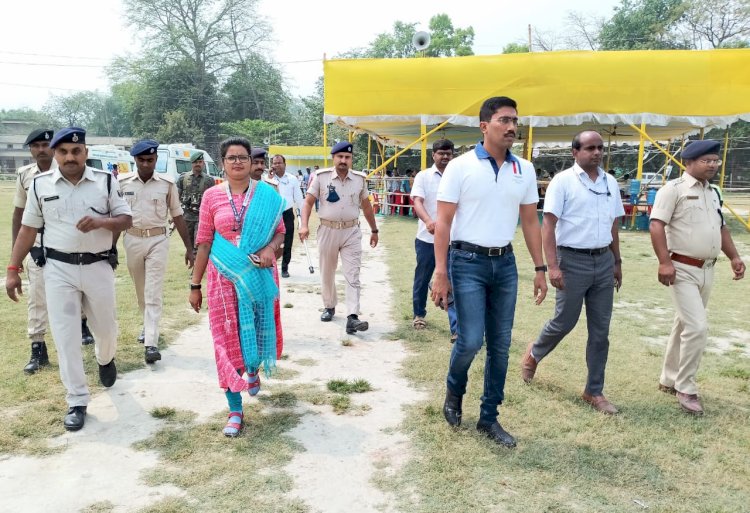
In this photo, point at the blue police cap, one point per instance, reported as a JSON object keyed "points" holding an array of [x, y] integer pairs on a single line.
{"points": [[144, 147], [42, 134], [343, 146], [258, 153], [71, 134], [699, 148]]}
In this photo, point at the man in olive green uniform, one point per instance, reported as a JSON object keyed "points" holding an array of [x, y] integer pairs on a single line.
{"points": [[152, 197], [191, 187], [341, 192], [687, 232]]}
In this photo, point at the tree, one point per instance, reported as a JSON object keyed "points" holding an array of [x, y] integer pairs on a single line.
{"points": [[98, 113], [515, 48], [260, 132], [720, 23], [177, 128], [256, 91], [447, 41], [644, 25]]}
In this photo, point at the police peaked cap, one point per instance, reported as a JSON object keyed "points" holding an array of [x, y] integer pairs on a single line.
{"points": [[699, 148], [71, 134], [343, 146], [42, 134], [144, 147], [195, 157], [258, 153]]}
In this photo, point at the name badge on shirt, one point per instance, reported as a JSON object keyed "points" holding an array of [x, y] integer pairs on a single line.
{"points": [[692, 197], [129, 193], [51, 198]]}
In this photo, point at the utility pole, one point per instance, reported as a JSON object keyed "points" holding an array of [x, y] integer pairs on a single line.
{"points": [[530, 37]]}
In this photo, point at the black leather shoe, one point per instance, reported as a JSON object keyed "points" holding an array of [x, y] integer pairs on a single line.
{"points": [[353, 324], [285, 274], [452, 408], [108, 374], [75, 418], [152, 354], [327, 314], [496, 433], [142, 336], [38, 358], [86, 337]]}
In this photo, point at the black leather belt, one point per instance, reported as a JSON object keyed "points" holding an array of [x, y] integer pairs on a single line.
{"points": [[595, 251], [481, 250], [77, 258]]}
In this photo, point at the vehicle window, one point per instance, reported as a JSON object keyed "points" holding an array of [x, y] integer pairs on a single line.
{"points": [[96, 163], [162, 160], [213, 170], [183, 166]]}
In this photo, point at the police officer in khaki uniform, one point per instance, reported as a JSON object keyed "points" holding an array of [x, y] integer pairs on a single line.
{"points": [[191, 187], [152, 197], [687, 232], [80, 208], [341, 192], [38, 143]]}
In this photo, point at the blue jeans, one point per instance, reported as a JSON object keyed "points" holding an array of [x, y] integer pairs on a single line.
{"points": [[422, 276], [484, 289]]}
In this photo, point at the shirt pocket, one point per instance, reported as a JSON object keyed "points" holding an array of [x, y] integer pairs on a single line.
{"points": [[53, 209], [94, 207], [354, 199], [158, 201], [695, 210]]}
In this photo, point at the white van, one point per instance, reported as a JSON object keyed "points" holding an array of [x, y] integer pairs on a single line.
{"points": [[174, 160], [109, 158]]}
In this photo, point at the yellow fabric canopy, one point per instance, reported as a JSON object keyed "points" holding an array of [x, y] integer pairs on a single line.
{"points": [[301, 156], [674, 92]]}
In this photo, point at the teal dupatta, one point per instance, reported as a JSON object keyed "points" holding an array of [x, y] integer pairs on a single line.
{"points": [[254, 286]]}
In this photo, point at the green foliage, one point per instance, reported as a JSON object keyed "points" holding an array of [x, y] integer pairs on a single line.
{"points": [[447, 41], [516, 48], [256, 91], [344, 386], [100, 114], [177, 128], [258, 131], [644, 25]]}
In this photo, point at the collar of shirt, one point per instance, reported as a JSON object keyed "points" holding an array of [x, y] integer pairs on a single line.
{"points": [[482, 154], [582, 172], [88, 174], [336, 175], [691, 181], [434, 170]]}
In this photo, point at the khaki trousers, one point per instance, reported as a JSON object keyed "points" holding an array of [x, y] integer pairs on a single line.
{"points": [[72, 289], [346, 242], [147, 264], [37, 323], [689, 336]]}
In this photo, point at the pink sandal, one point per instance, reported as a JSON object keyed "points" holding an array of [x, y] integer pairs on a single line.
{"points": [[253, 379], [234, 425]]}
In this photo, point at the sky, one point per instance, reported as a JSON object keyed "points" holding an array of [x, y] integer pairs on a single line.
{"points": [[52, 48]]}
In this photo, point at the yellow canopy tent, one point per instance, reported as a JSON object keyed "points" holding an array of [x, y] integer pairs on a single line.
{"points": [[672, 92], [300, 157]]}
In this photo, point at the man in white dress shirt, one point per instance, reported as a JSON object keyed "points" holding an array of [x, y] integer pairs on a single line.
{"points": [[292, 194], [582, 248]]}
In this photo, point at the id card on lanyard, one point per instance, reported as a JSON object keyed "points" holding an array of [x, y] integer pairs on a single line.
{"points": [[238, 216]]}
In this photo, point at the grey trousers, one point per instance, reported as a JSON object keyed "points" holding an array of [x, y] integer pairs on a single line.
{"points": [[589, 279]]}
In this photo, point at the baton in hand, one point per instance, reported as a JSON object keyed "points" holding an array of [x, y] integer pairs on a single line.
{"points": [[307, 251]]}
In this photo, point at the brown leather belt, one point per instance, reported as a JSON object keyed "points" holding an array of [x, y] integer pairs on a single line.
{"points": [[148, 232], [695, 262], [339, 225]]}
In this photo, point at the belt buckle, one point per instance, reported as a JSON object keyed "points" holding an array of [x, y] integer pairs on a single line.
{"points": [[708, 264], [78, 258], [146, 232], [340, 225], [495, 251]]}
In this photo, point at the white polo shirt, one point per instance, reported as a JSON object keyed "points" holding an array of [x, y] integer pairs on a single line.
{"points": [[487, 203], [426, 187], [585, 218], [289, 190]]}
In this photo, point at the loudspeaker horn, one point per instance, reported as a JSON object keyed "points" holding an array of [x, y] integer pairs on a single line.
{"points": [[266, 141], [421, 41]]}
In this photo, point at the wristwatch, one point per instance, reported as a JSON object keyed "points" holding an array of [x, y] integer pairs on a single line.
{"points": [[374, 231], [540, 268], [195, 286]]}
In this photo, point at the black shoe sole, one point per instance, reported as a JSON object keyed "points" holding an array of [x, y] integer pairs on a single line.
{"points": [[73, 428], [363, 327], [153, 358]]}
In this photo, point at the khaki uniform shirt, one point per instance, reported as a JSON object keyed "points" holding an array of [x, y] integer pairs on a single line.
{"points": [[351, 191], [690, 210], [191, 189], [24, 180], [58, 205], [152, 202]]}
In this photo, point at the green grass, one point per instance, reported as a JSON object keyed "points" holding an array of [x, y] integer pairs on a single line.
{"points": [[345, 386], [569, 458]]}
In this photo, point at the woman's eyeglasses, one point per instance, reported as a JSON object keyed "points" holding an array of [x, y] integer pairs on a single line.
{"points": [[237, 158]]}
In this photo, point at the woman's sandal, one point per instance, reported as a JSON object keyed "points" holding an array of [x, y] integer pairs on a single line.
{"points": [[253, 379], [234, 424]]}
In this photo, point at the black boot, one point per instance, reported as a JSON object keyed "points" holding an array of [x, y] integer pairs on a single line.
{"points": [[38, 358], [452, 408], [152, 354], [496, 433], [353, 324], [327, 314], [86, 337]]}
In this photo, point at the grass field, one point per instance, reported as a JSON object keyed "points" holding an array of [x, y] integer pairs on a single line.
{"points": [[570, 458]]}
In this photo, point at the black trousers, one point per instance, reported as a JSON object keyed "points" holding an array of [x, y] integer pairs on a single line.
{"points": [[288, 217]]}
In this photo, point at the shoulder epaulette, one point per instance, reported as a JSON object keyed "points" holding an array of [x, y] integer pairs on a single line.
{"points": [[46, 173], [359, 173], [164, 176], [324, 170], [124, 176]]}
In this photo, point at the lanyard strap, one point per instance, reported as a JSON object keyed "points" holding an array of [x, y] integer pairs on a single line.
{"points": [[246, 200]]}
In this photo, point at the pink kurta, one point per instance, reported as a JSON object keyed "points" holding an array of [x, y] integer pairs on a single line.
{"points": [[216, 215]]}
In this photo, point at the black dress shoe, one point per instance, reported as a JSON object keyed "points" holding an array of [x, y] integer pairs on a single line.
{"points": [[285, 274], [86, 337], [353, 324], [38, 358], [327, 314], [75, 418], [108, 374], [152, 354], [496, 433], [452, 408], [142, 336]]}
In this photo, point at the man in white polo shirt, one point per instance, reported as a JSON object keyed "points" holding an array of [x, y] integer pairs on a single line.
{"points": [[480, 198], [582, 247], [424, 194], [292, 194]]}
